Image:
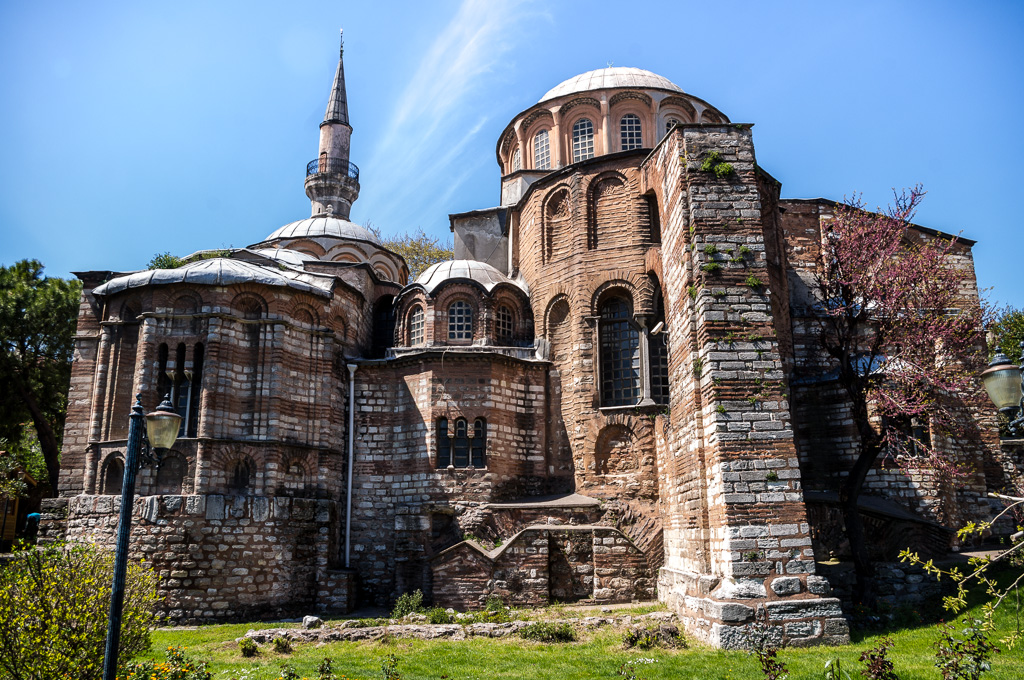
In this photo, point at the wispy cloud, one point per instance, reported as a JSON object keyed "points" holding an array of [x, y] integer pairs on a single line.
{"points": [[435, 119]]}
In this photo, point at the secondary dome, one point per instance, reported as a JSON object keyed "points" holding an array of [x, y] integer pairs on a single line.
{"points": [[479, 272], [319, 227], [615, 76]]}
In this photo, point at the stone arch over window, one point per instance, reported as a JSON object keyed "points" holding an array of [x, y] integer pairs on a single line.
{"points": [[582, 140], [241, 476], [542, 150], [678, 108], [460, 321], [556, 233], [630, 132], [608, 211], [249, 306], [305, 315], [615, 451], [619, 350], [295, 476], [170, 474], [112, 476], [415, 327]]}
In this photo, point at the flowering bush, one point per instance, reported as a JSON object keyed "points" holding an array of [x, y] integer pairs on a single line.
{"points": [[53, 612], [177, 666]]}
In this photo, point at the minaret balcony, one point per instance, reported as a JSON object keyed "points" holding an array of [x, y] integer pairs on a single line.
{"points": [[332, 166]]}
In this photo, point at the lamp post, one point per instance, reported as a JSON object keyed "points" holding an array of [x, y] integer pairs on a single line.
{"points": [[160, 431], [1005, 387]]}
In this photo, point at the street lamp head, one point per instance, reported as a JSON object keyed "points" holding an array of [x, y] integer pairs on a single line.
{"points": [[1002, 382], [162, 425]]}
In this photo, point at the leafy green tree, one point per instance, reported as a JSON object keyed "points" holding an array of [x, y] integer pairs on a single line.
{"points": [[419, 249], [18, 457], [165, 261], [53, 612], [37, 327], [1008, 331]]}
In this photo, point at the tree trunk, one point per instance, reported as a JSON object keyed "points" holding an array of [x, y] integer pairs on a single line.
{"points": [[849, 495], [47, 439]]}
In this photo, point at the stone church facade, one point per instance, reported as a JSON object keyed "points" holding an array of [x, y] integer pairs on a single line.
{"points": [[612, 393]]}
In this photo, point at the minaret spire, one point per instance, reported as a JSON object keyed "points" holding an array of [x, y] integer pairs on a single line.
{"points": [[337, 106], [332, 182]]}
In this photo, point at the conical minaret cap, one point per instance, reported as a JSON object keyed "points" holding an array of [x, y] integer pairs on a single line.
{"points": [[337, 106]]}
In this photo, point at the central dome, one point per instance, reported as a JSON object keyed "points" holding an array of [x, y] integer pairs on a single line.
{"points": [[605, 78], [330, 227]]}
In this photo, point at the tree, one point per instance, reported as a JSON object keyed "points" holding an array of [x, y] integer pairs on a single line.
{"points": [[37, 327], [53, 612], [417, 248], [165, 261], [905, 340], [1008, 331]]}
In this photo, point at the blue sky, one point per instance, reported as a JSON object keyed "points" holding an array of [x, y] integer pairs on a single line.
{"points": [[129, 129]]}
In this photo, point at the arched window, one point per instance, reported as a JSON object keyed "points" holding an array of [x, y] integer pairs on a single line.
{"points": [[541, 151], [657, 346], [631, 133], [478, 446], [670, 122], [444, 444], [517, 161], [241, 475], [582, 140], [503, 326], [416, 326], [460, 321], [170, 475], [620, 354], [113, 476]]}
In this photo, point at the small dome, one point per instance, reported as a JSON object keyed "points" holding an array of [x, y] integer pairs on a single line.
{"points": [[330, 227], [605, 78], [217, 272], [479, 272]]}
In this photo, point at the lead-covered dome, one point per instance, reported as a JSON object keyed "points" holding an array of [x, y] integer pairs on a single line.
{"points": [[480, 273], [324, 227], [612, 77]]}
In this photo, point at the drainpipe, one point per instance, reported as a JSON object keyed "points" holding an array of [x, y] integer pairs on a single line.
{"points": [[351, 459]]}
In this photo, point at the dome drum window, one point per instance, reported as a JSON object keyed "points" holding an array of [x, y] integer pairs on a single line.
{"points": [[541, 151], [631, 132], [416, 326], [503, 326], [460, 321], [582, 140], [517, 161]]}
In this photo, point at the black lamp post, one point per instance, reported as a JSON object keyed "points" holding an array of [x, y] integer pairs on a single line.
{"points": [[160, 431], [1003, 382]]}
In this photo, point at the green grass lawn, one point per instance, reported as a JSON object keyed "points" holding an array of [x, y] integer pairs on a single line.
{"points": [[597, 654]]}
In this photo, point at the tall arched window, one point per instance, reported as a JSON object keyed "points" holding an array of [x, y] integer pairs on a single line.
{"points": [[416, 326], [631, 133], [113, 476], [620, 354], [503, 325], [460, 321], [541, 151], [657, 346], [582, 140], [478, 445], [517, 161], [444, 444]]}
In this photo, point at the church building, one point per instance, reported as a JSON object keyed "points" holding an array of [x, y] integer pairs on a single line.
{"points": [[611, 394]]}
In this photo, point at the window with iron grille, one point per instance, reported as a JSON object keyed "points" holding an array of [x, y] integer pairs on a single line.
{"points": [[582, 140], [503, 326], [444, 444], [541, 151], [631, 132], [460, 321], [517, 161], [669, 122], [461, 446], [620, 354], [416, 326]]}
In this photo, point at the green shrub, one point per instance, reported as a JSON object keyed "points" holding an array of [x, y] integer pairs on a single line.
{"points": [[753, 281], [439, 615], [711, 267], [494, 604], [546, 631], [723, 170], [408, 603], [54, 603], [282, 645], [178, 666], [649, 637], [248, 647]]}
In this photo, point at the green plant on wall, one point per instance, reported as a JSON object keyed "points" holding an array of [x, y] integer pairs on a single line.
{"points": [[714, 163]]}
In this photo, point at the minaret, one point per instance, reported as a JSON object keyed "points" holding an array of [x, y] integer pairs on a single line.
{"points": [[332, 182]]}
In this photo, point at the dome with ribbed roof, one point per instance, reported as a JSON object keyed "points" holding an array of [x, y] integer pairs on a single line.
{"points": [[615, 76], [324, 227], [480, 273]]}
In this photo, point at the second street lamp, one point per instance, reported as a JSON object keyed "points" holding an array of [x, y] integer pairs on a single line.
{"points": [[162, 427], [1002, 380]]}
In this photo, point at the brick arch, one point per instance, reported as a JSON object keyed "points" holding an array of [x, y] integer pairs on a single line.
{"points": [[225, 467], [619, 454], [173, 474], [556, 221], [295, 475], [677, 104], [186, 303], [558, 326], [111, 474], [129, 310], [608, 209], [522, 314], [630, 94], [308, 247], [451, 293], [249, 305]]}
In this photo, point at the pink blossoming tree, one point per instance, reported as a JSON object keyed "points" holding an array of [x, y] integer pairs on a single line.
{"points": [[901, 325]]}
